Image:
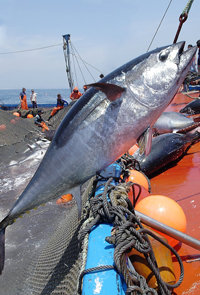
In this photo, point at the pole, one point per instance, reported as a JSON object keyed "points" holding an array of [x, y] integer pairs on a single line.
{"points": [[66, 40], [176, 234]]}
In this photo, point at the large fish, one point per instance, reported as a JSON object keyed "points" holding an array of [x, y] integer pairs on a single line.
{"points": [[167, 149], [103, 124], [192, 108], [174, 122]]}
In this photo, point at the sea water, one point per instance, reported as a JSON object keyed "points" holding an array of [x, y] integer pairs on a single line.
{"points": [[44, 96]]}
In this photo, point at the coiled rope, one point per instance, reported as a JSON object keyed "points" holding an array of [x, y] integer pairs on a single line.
{"points": [[112, 207]]}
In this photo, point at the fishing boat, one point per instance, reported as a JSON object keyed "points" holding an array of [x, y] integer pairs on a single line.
{"points": [[59, 266], [181, 183], [63, 267]]}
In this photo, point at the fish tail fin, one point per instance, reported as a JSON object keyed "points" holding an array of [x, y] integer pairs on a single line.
{"points": [[2, 249], [3, 224]]}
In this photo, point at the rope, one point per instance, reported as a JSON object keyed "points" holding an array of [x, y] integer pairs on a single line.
{"points": [[78, 64], [74, 57], [183, 17], [92, 269], [188, 7], [127, 163], [125, 236], [84, 64], [190, 96], [159, 25], [33, 49]]}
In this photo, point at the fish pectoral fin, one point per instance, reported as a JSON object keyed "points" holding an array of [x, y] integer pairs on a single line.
{"points": [[76, 193], [145, 142], [112, 91], [2, 249]]}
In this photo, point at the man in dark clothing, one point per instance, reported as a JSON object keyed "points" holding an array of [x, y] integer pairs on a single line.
{"points": [[40, 122], [59, 106]]}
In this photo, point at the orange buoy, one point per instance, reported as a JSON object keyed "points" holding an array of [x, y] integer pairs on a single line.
{"points": [[133, 149], [163, 259], [64, 199], [140, 178], [29, 116], [165, 210], [2, 127], [16, 114]]}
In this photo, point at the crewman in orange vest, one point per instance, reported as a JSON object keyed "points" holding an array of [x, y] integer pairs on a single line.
{"points": [[23, 100], [84, 88], [75, 94]]}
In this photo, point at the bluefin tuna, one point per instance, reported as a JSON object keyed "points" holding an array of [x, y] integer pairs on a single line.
{"points": [[174, 122], [102, 125], [167, 150], [192, 108]]}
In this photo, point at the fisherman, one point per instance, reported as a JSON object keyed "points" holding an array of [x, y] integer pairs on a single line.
{"points": [[84, 88], [39, 121], [33, 99], [23, 100], [59, 106], [75, 94]]}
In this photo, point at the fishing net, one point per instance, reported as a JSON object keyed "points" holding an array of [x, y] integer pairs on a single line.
{"points": [[17, 134], [56, 269]]}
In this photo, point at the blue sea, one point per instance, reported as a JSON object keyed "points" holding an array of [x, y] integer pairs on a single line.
{"points": [[47, 97]]}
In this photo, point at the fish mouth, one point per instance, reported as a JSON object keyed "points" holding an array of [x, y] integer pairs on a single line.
{"points": [[185, 57], [182, 58], [181, 49]]}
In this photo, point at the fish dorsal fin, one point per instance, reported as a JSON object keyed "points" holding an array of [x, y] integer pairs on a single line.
{"points": [[112, 91], [145, 141]]}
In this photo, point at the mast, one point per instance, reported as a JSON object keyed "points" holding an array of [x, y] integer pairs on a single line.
{"points": [[66, 41]]}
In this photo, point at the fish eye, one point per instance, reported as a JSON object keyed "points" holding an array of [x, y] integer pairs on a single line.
{"points": [[163, 55]]}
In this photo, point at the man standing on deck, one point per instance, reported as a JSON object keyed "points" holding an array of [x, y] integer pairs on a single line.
{"points": [[33, 99], [23, 100]]}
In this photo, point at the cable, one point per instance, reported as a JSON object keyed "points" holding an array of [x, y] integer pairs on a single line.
{"points": [[159, 25], [83, 62], [73, 58], [78, 64], [33, 49]]}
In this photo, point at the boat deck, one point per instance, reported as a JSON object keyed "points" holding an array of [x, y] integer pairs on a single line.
{"points": [[182, 183]]}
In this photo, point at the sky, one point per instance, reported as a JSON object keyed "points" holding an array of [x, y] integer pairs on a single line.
{"points": [[105, 33]]}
